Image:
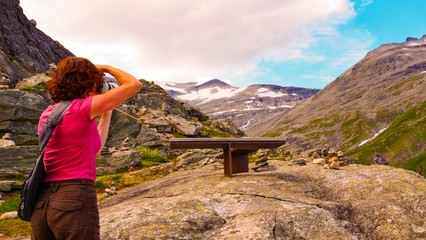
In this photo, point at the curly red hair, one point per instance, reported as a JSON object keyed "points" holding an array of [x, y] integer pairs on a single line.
{"points": [[74, 78]]}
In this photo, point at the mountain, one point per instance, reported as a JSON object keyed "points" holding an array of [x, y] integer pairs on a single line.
{"points": [[244, 106], [24, 49], [377, 106]]}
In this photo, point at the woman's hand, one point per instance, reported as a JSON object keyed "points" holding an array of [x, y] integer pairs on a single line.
{"points": [[102, 68]]}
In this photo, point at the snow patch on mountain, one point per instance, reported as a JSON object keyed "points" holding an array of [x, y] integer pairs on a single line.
{"points": [[375, 135], [264, 92], [209, 94]]}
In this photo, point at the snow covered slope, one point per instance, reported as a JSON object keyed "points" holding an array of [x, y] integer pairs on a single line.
{"points": [[244, 106]]}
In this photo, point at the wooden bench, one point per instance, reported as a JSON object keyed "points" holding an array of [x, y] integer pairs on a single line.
{"points": [[235, 150]]}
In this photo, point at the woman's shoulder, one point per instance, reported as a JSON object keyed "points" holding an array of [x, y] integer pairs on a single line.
{"points": [[82, 105]]}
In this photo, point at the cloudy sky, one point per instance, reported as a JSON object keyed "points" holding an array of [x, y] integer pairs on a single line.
{"points": [[304, 43]]}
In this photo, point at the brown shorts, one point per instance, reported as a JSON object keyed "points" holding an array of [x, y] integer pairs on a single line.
{"points": [[66, 210]]}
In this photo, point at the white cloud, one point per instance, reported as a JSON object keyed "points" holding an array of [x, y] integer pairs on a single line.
{"points": [[188, 40]]}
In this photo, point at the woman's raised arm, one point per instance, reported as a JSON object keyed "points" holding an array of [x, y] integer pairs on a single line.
{"points": [[107, 101]]}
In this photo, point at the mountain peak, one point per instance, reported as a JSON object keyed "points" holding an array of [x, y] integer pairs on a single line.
{"points": [[214, 83]]}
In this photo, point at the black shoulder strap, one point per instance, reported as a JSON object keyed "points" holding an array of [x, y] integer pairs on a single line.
{"points": [[51, 123]]}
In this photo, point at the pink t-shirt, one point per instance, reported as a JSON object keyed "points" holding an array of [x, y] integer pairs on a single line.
{"points": [[71, 151]]}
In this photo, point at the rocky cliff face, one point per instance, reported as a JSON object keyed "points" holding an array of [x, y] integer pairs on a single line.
{"points": [[160, 118], [382, 95], [287, 202], [24, 49]]}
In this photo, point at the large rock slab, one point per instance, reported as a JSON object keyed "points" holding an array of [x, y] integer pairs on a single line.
{"points": [[291, 202]]}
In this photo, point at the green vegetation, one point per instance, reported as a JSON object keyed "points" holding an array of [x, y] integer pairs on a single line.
{"points": [[152, 155], [405, 138], [356, 128], [41, 86], [13, 227], [417, 164]]}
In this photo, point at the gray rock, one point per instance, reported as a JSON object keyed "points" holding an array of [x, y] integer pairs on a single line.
{"points": [[380, 159], [6, 143], [9, 215], [290, 202], [118, 161], [185, 127], [148, 138], [7, 186], [35, 80], [194, 156], [25, 50], [321, 161]]}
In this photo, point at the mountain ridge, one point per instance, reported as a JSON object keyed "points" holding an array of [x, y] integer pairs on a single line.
{"points": [[244, 106], [365, 99]]}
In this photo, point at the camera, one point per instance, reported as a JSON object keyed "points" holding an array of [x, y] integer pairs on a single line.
{"points": [[105, 86]]}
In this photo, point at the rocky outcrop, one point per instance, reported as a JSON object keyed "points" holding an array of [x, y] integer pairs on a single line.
{"points": [[159, 115], [290, 202], [24, 49]]}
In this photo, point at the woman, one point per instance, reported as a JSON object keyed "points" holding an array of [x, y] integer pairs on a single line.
{"points": [[66, 207]]}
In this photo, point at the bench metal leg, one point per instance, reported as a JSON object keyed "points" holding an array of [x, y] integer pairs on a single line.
{"points": [[227, 160], [234, 162], [239, 162]]}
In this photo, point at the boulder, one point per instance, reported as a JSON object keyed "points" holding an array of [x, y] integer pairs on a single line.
{"points": [[17, 161], [38, 79], [6, 143], [148, 138], [290, 202], [194, 156], [186, 127], [9, 215], [118, 161], [320, 161], [7, 186]]}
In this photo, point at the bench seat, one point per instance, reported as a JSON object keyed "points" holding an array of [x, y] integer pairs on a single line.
{"points": [[235, 150]]}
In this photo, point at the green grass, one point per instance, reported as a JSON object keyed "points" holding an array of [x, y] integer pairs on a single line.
{"points": [[10, 206], [152, 155], [13, 227], [41, 86], [404, 139], [417, 164]]}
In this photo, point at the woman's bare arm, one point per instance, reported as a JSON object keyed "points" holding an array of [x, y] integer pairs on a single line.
{"points": [[104, 102], [103, 127]]}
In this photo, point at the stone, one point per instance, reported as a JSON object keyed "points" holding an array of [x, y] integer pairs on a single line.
{"points": [[335, 165], [319, 161], [332, 152], [299, 161], [324, 151], [9, 215], [117, 161], [265, 168], [290, 202], [186, 127], [25, 50], [333, 159], [261, 164], [339, 154], [261, 160], [7, 136], [35, 80], [194, 156], [7, 186], [6, 143], [380, 159]]}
